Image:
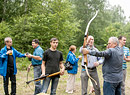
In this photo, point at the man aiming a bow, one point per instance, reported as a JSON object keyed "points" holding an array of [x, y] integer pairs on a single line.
{"points": [[92, 71], [112, 66]]}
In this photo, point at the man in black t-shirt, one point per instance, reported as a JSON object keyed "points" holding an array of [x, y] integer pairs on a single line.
{"points": [[52, 63]]}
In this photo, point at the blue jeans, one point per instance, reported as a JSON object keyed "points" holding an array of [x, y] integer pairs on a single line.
{"points": [[111, 88], [54, 85], [37, 73]]}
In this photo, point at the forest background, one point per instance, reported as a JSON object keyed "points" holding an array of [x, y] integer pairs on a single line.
{"points": [[24, 20]]}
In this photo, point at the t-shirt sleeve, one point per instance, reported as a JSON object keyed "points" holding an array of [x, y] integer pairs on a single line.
{"points": [[61, 57], [45, 56], [128, 53]]}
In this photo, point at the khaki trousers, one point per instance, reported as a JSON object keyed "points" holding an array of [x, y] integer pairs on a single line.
{"points": [[123, 83], [84, 81], [70, 83]]}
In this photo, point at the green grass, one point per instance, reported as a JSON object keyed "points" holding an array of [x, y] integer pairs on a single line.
{"points": [[23, 89]]}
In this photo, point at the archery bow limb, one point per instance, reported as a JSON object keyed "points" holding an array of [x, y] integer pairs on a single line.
{"points": [[43, 77], [84, 46]]}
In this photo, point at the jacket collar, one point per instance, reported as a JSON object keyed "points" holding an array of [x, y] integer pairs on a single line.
{"points": [[5, 48], [71, 52]]}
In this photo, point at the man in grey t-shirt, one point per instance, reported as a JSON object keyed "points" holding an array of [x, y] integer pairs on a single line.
{"points": [[112, 66]]}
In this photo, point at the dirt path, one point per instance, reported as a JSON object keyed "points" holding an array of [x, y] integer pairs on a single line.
{"points": [[23, 89]]}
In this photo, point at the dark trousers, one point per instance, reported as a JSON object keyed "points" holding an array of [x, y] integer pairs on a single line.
{"points": [[10, 74], [111, 88]]}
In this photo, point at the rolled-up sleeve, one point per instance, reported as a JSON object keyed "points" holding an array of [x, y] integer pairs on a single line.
{"points": [[80, 50], [39, 53]]}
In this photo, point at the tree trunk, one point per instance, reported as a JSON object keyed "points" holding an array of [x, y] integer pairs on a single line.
{"points": [[26, 6], [4, 9]]}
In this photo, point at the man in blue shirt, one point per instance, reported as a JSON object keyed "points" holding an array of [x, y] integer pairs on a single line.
{"points": [[122, 42], [36, 63], [8, 67]]}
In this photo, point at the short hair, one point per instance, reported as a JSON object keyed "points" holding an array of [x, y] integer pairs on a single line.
{"points": [[7, 39], [72, 48], [114, 40], [90, 36], [53, 39], [120, 37], [36, 41]]}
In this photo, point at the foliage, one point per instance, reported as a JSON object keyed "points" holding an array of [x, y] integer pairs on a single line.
{"points": [[107, 16], [24, 20], [116, 14], [10, 9], [54, 19], [22, 63], [126, 32], [85, 10], [4, 32], [111, 30]]}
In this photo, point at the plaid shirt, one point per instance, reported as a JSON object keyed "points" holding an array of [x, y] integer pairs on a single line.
{"points": [[126, 54]]}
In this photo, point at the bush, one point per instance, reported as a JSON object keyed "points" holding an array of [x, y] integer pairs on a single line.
{"points": [[22, 63]]}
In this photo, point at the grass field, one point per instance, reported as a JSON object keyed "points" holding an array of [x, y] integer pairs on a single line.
{"points": [[23, 89]]}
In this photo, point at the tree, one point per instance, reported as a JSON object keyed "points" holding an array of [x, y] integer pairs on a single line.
{"points": [[54, 18], [116, 13], [126, 32], [85, 10]]}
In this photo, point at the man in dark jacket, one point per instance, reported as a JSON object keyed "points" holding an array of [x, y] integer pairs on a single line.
{"points": [[8, 67], [112, 66]]}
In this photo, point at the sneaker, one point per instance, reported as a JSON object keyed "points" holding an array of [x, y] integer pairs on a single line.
{"points": [[70, 92], [42, 94], [66, 91]]}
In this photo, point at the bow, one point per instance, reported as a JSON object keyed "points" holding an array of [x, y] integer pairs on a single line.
{"points": [[43, 77], [28, 70], [84, 46]]}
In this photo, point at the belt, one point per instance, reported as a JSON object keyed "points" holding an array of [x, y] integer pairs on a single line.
{"points": [[36, 65], [89, 68]]}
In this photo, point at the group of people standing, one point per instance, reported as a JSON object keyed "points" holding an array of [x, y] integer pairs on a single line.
{"points": [[113, 61], [43, 63]]}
